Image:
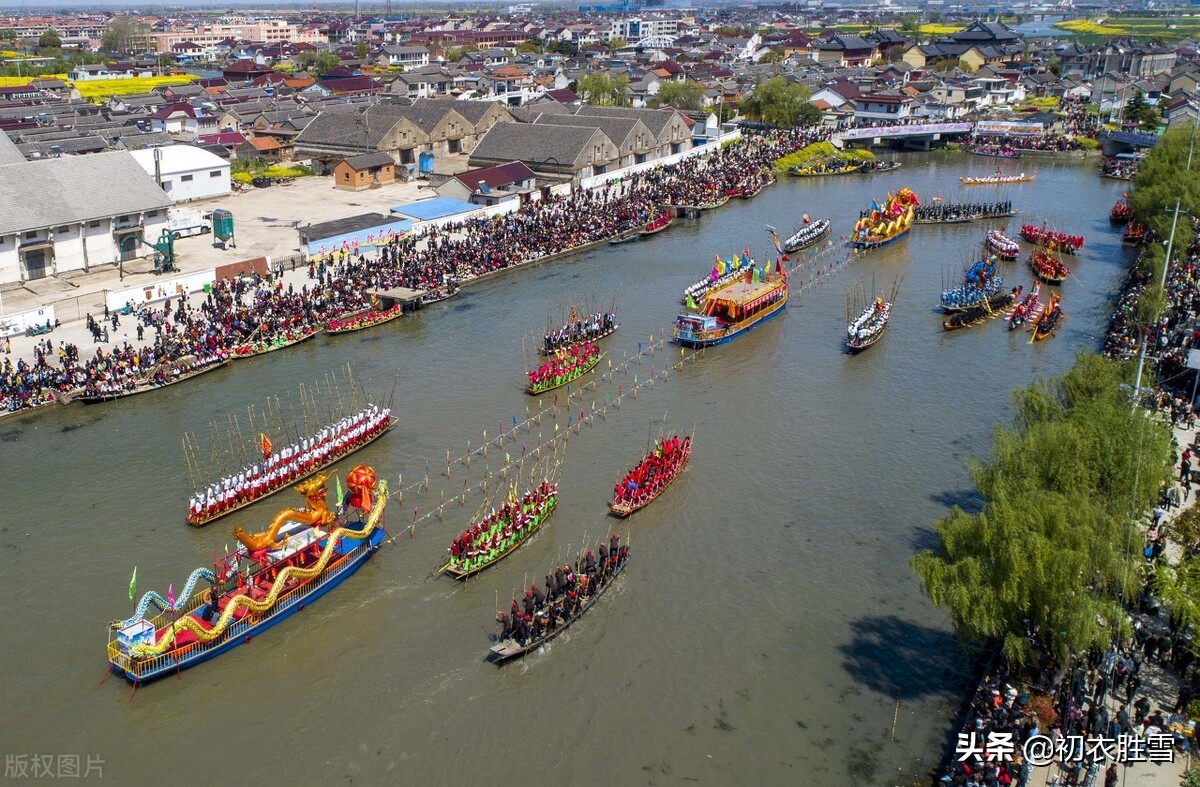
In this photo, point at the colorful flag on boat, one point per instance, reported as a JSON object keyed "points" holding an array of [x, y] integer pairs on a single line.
{"points": [[264, 443], [133, 584], [171, 596], [775, 239], [338, 488]]}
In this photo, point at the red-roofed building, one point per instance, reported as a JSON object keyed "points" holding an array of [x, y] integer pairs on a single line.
{"points": [[491, 185]]}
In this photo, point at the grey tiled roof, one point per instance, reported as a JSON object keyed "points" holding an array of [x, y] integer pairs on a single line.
{"points": [[55, 191], [534, 144], [617, 129], [655, 119], [8, 151]]}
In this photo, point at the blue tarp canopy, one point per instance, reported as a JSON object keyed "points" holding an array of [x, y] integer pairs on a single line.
{"points": [[436, 208]]}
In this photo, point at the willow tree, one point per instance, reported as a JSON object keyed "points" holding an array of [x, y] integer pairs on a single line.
{"points": [[1162, 178], [1055, 548]]}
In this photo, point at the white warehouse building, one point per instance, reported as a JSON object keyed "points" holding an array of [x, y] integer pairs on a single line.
{"points": [[60, 215], [186, 172]]}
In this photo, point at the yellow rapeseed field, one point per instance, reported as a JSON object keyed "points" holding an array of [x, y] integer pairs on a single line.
{"points": [[1089, 27], [98, 90], [935, 29], [17, 81]]}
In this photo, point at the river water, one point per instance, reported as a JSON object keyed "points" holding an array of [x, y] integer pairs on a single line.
{"points": [[768, 630]]}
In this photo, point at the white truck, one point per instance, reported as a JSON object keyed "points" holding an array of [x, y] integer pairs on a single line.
{"points": [[185, 222]]}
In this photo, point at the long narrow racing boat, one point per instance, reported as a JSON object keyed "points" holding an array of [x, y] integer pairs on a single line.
{"points": [[578, 589], [1047, 267], [808, 235], [279, 342], [656, 225], [996, 180], [360, 321], [562, 370], [501, 532], [1051, 318], [165, 374], [1002, 246], [304, 554], [280, 469], [644, 483]]}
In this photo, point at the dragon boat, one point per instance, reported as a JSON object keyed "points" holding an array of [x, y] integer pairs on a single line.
{"points": [[722, 273], [1054, 241], [569, 367], [732, 309], [881, 166], [1027, 309], [1121, 213], [752, 191], [327, 446], [869, 326], [989, 307], [360, 321], [656, 225], [560, 612], [881, 226], [996, 180], [1047, 267], [303, 554], [165, 374], [653, 474], [1051, 318], [980, 282], [1002, 246], [499, 533], [833, 166], [262, 347], [808, 235]]}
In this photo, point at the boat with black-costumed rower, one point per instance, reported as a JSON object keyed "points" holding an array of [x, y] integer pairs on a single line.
{"points": [[582, 585]]}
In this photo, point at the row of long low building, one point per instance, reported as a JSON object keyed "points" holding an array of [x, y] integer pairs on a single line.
{"points": [[549, 137], [62, 215]]}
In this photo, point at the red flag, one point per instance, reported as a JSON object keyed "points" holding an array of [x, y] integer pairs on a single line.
{"points": [[264, 443]]}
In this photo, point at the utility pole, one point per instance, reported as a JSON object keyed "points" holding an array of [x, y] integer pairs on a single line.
{"points": [[1162, 283]]}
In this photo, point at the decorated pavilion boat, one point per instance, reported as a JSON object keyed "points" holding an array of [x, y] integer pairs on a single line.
{"points": [[274, 473], [302, 555], [163, 375], [1027, 309], [499, 533], [881, 226], [989, 307], [1121, 213], [656, 225], [278, 342], [1002, 246], [653, 474], [1054, 241], [808, 235], [1048, 267], [559, 371], [1051, 318], [1135, 232], [980, 282], [360, 321], [509, 645], [722, 273], [732, 309], [997, 179]]}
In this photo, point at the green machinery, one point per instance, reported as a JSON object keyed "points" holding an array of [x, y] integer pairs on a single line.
{"points": [[164, 248]]}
